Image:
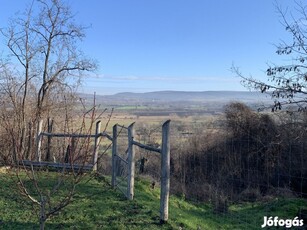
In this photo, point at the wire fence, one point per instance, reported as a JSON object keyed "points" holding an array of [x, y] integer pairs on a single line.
{"points": [[252, 168], [251, 163], [148, 162], [121, 160]]}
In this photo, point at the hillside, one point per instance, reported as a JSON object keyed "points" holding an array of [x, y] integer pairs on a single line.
{"points": [[97, 206]]}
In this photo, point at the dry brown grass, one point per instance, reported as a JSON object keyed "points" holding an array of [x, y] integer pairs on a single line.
{"points": [[4, 169]]}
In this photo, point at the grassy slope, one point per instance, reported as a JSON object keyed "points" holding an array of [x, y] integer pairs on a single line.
{"points": [[97, 206]]}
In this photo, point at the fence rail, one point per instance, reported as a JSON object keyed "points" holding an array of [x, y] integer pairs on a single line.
{"points": [[147, 147], [71, 135], [96, 136], [67, 166]]}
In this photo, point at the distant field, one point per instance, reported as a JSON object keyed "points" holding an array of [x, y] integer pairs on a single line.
{"points": [[189, 109], [127, 119]]}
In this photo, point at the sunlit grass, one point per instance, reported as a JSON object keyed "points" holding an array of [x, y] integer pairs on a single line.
{"points": [[97, 206]]}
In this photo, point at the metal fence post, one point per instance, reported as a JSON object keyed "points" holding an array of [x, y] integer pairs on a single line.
{"points": [[165, 172], [131, 163]]}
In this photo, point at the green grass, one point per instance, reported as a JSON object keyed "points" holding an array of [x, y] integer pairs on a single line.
{"points": [[97, 206]]}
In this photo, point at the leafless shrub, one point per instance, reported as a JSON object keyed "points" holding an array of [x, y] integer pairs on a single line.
{"points": [[255, 155]]}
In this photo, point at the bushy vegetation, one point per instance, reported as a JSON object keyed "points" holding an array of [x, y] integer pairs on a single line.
{"points": [[256, 156]]}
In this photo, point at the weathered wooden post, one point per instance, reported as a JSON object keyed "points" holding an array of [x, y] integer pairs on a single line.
{"points": [[72, 150], [97, 141], [131, 163], [29, 150], [50, 127], [165, 172], [114, 154], [39, 140]]}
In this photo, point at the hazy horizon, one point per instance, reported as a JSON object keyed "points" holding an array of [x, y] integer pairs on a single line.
{"points": [[175, 91]]}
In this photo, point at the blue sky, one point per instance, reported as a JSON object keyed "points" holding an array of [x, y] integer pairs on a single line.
{"points": [[150, 45]]}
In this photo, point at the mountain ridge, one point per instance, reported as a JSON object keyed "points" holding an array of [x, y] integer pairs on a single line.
{"points": [[176, 96]]}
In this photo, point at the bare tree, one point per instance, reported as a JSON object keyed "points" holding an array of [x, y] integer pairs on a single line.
{"points": [[52, 189], [287, 84], [45, 60], [38, 80]]}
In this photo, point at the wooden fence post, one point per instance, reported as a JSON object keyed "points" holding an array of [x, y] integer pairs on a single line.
{"points": [[97, 141], [72, 150], [114, 154], [50, 126], [131, 163], [39, 141], [29, 150], [165, 172]]}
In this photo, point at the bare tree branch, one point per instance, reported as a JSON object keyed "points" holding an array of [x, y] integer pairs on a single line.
{"points": [[287, 84]]}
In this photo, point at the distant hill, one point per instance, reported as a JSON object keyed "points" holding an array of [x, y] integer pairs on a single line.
{"points": [[181, 96], [182, 103], [191, 96]]}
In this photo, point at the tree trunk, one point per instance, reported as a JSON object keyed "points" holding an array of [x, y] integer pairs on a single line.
{"points": [[42, 216]]}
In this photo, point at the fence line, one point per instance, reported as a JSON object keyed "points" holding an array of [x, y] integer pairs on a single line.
{"points": [[97, 137], [165, 164], [130, 162]]}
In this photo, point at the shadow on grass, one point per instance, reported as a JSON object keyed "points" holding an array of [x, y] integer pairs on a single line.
{"points": [[31, 226]]}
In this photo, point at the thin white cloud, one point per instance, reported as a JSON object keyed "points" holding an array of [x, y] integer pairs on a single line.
{"points": [[120, 78], [129, 78]]}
